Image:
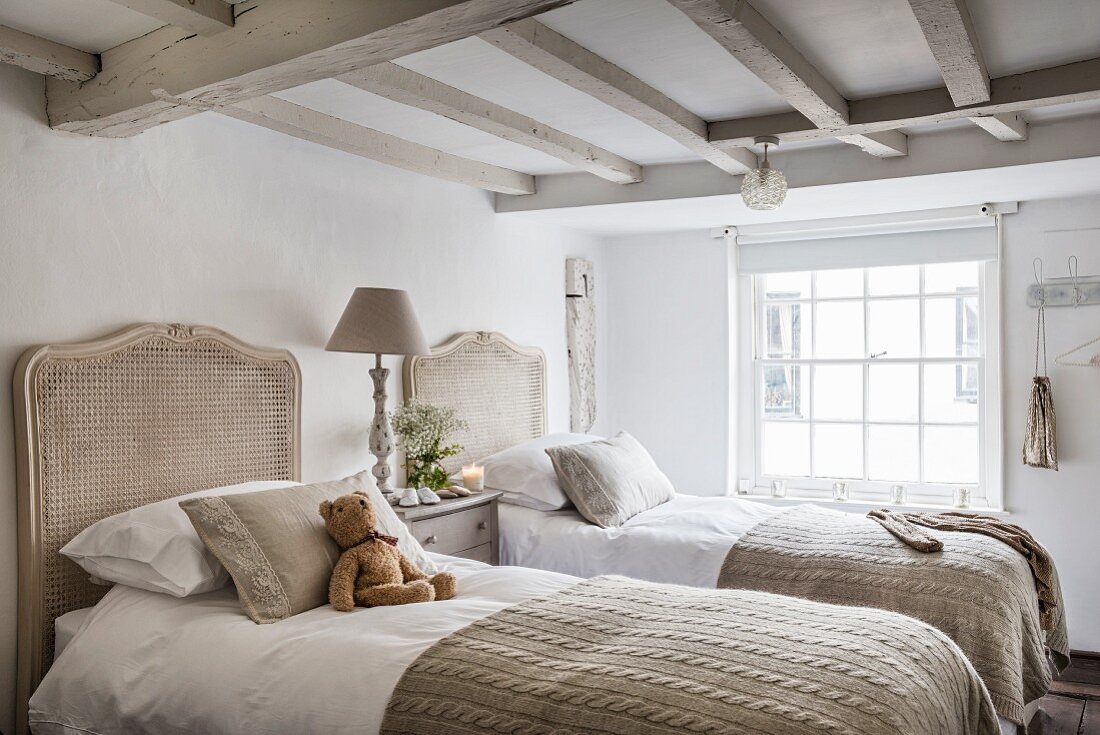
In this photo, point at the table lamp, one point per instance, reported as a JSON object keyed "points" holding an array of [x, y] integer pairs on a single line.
{"points": [[382, 321]]}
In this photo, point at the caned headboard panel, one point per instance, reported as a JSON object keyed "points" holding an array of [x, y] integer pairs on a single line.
{"points": [[146, 414], [496, 386]]}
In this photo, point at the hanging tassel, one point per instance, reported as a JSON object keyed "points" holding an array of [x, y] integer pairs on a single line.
{"points": [[1040, 436]]}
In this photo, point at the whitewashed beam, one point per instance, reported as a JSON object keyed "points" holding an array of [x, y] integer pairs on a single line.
{"points": [[763, 50], [887, 144], [46, 57], [1076, 82], [273, 45], [316, 127], [205, 17], [1007, 126], [949, 31], [416, 90], [955, 151], [555, 55]]}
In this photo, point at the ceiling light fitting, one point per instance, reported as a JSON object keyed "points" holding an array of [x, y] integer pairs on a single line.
{"points": [[764, 187]]}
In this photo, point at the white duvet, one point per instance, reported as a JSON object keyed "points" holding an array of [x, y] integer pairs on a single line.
{"points": [[683, 541], [144, 662]]}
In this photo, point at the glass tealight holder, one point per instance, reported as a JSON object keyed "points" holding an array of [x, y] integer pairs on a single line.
{"points": [[840, 492], [897, 494], [779, 488], [962, 497]]}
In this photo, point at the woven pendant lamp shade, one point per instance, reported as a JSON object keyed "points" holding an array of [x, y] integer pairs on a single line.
{"points": [[380, 321], [764, 187]]}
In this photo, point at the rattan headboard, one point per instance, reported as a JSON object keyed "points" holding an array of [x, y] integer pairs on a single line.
{"points": [[148, 413], [496, 386]]}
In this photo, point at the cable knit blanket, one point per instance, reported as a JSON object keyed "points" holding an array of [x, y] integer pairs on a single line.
{"points": [[978, 591], [614, 655]]}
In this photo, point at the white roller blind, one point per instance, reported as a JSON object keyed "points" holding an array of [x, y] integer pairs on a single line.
{"points": [[937, 237]]}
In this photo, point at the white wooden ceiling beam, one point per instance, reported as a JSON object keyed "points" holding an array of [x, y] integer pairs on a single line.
{"points": [[1075, 82], [1007, 126], [46, 57], [204, 17], [949, 31], [763, 50], [753, 41], [304, 123], [273, 45], [416, 90], [555, 55], [887, 144]]}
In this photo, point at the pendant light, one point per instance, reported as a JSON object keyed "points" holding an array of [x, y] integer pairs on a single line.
{"points": [[764, 187]]}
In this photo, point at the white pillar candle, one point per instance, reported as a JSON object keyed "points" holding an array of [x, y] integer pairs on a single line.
{"points": [[473, 477]]}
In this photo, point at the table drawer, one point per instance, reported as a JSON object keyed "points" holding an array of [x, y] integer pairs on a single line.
{"points": [[483, 553], [455, 531]]}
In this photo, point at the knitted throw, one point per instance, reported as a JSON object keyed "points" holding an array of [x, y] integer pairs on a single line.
{"points": [[613, 655], [977, 590]]}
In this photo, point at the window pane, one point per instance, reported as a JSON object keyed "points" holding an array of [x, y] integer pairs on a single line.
{"points": [[951, 393], [786, 332], [838, 450], [894, 329], [842, 283], [840, 329], [893, 393], [838, 392], [892, 453], [786, 450], [951, 454], [951, 327], [897, 280], [786, 391], [950, 277], [785, 286]]}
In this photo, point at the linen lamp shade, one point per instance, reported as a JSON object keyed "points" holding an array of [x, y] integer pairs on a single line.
{"points": [[380, 321]]}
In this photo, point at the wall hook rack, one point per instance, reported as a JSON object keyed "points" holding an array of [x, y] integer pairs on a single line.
{"points": [[1062, 291]]}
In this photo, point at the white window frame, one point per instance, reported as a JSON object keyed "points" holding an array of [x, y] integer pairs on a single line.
{"points": [[987, 495]]}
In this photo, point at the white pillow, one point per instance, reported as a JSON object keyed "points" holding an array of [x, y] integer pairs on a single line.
{"points": [[155, 547], [525, 473]]}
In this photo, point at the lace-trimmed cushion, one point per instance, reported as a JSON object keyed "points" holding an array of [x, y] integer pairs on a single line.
{"points": [[275, 546], [610, 481]]}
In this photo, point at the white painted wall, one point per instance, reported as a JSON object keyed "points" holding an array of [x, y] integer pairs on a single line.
{"points": [[212, 221], [669, 344], [668, 365]]}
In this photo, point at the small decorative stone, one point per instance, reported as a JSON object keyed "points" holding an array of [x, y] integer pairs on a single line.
{"points": [[408, 498], [458, 490], [427, 497], [447, 494]]}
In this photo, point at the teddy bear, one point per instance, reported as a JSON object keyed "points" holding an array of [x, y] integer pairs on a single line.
{"points": [[371, 570]]}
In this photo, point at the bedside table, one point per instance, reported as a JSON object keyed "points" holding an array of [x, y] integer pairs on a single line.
{"points": [[462, 527]]}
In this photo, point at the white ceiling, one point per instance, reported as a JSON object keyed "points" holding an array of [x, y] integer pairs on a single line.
{"points": [[865, 47]]}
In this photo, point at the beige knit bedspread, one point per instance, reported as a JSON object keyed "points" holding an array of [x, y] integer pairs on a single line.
{"points": [[613, 655], [978, 591]]}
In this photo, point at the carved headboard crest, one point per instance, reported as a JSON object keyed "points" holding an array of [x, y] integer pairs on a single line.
{"points": [[495, 385], [145, 414]]}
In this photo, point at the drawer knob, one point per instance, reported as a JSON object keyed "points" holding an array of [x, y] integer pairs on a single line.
{"points": [[431, 539], [482, 526]]}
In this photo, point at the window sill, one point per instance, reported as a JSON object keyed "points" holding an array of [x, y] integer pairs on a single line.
{"points": [[857, 505]]}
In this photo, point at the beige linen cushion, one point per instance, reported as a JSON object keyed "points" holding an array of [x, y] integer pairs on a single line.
{"points": [[275, 546], [612, 480]]}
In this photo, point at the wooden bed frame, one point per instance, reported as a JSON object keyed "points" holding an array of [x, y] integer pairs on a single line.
{"points": [[496, 386], [147, 413]]}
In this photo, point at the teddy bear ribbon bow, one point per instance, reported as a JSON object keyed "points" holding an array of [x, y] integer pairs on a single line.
{"points": [[391, 540]]}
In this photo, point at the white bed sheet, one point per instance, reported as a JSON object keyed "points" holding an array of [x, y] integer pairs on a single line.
{"points": [[683, 541], [65, 628], [145, 662]]}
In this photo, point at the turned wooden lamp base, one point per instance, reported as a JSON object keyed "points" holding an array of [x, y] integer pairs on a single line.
{"points": [[381, 435]]}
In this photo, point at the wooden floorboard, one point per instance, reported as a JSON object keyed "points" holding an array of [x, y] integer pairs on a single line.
{"points": [[1058, 716], [1090, 722]]}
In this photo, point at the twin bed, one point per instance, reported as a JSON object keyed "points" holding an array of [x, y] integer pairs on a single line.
{"points": [[158, 411]]}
